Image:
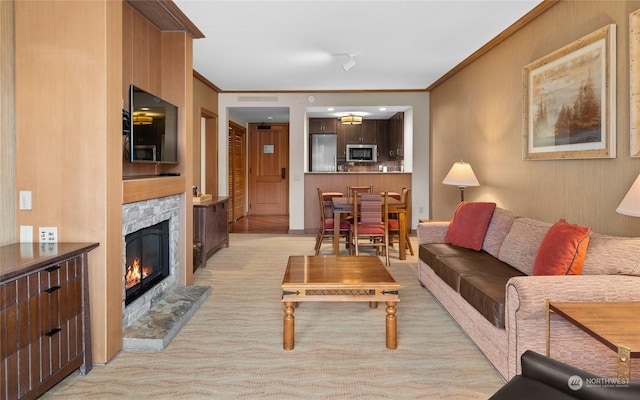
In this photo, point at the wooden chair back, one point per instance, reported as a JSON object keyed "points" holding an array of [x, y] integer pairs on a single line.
{"points": [[354, 190], [371, 222]]}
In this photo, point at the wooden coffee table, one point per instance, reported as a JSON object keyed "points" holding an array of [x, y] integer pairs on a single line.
{"points": [[338, 278]]}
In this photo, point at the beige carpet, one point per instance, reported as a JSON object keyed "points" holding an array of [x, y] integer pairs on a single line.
{"points": [[232, 347]]}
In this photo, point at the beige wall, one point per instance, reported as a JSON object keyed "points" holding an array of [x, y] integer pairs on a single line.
{"points": [[476, 115]]}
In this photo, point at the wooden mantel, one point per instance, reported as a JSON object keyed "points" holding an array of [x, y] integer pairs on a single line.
{"points": [[145, 188]]}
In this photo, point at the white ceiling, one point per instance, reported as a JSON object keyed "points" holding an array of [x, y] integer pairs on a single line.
{"points": [[266, 45]]}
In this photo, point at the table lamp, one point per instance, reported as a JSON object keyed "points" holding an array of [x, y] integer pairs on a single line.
{"points": [[630, 204], [461, 175]]}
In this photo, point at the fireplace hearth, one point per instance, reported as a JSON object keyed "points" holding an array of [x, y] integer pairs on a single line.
{"points": [[147, 259]]}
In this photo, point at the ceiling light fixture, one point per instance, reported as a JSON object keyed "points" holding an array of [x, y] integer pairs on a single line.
{"points": [[350, 63], [142, 120], [351, 120]]}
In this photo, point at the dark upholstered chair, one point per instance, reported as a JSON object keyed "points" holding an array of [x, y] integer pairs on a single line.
{"points": [[545, 378]]}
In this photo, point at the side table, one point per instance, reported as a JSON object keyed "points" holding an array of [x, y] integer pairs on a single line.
{"points": [[616, 325]]}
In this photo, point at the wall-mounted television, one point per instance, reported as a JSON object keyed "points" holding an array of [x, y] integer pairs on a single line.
{"points": [[154, 128]]}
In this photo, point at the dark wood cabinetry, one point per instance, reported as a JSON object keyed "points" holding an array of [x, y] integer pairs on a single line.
{"points": [[342, 142], [382, 139], [322, 125], [45, 331], [387, 134], [368, 133], [396, 137], [361, 134], [211, 226]]}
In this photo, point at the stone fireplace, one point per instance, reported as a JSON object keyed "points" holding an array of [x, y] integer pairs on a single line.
{"points": [[150, 216], [147, 259]]}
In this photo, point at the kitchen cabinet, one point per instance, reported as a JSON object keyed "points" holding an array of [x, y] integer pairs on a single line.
{"points": [[211, 226], [371, 131], [382, 139], [396, 137], [342, 142], [362, 134], [322, 125], [368, 133], [45, 331]]}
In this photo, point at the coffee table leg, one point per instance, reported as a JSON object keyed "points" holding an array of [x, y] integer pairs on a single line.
{"points": [[288, 332], [392, 333]]}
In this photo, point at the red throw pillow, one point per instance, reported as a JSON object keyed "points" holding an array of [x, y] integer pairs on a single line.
{"points": [[469, 225], [562, 250]]}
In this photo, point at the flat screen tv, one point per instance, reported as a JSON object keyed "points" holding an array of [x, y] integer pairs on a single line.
{"points": [[154, 128]]}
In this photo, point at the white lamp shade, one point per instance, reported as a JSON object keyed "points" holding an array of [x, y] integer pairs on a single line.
{"points": [[630, 205], [461, 175]]}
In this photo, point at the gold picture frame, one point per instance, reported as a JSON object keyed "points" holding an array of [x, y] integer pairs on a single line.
{"points": [[569, 100], [634, 83]]}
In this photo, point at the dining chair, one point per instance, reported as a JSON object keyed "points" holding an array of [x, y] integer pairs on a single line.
{"points": [[370, 225], [394, 222], [352, 190], [327, 223]]}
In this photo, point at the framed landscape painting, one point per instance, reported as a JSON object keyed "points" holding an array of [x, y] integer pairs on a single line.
{"points": [[569, 101]]}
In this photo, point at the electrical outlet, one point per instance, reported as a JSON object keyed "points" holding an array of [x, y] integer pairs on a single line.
{"points": [[48, 234]]}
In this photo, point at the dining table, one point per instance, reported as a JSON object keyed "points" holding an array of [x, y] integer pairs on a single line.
{"points": [[344, 205]]}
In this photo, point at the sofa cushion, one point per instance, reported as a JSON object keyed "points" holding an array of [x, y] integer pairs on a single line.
{"points": [[563, 250], [612, 255], [520, 247], [451, 269], [485, 289], [499, 227], [469, 224], [428, 252]]}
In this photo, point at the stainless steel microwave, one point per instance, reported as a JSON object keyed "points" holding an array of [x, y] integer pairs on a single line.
{"points": [[362, 152]]}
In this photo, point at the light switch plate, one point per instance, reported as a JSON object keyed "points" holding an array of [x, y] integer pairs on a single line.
{"points": [[25, 200], [26, 233]]}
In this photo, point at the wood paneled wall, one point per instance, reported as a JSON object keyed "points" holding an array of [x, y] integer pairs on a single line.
{"points": [[205, 103], [72, 82], [68, 140], [8, 195], [476, 115]]}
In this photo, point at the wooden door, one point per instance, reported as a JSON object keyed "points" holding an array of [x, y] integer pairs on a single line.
{"points": [[269, 169], [237, 171]]}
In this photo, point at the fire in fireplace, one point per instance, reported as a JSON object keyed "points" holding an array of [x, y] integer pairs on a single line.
{"points": [[147, 259]]}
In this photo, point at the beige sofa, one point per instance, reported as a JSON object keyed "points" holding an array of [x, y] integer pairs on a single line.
{"points": [[611, 273]]}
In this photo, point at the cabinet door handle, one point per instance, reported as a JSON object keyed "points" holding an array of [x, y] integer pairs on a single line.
{"points": [[53, 289], [283, 173], [53, 332], [52, 268]]}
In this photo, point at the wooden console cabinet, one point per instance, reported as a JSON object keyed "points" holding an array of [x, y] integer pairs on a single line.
{"points": [[211, 226], [45, 330]]}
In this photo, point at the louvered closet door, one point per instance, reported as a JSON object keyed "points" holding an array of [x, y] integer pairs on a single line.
{"points": [[237, 171]]}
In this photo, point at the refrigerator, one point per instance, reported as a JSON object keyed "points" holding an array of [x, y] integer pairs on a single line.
{"points": [[324, 152]]}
